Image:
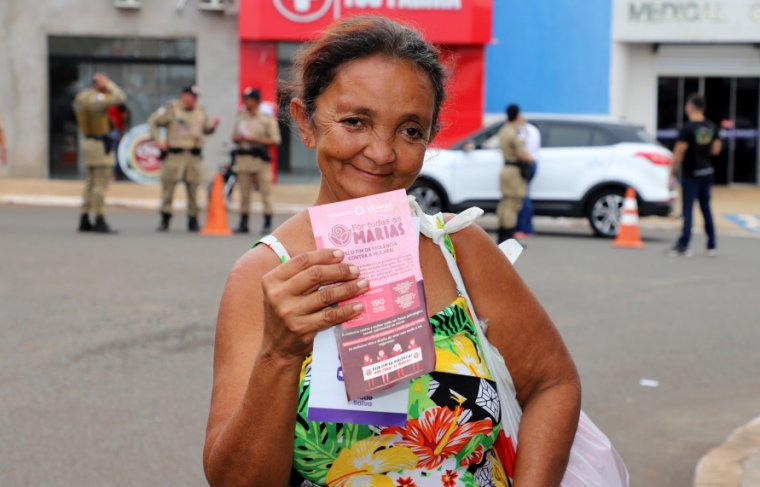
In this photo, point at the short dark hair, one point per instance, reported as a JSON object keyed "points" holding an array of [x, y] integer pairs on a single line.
{"points": [[513, 111], [697, 101], [358, 38], [252, 93], [191, 90]]}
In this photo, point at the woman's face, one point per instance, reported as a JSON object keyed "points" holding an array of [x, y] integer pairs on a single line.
{"points": [[370, 127]]}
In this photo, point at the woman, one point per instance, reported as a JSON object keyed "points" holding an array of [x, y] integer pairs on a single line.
{"points": [[369, 100]]}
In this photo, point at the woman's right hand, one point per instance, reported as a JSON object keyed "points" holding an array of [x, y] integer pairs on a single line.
{"points": [[301, 298]]}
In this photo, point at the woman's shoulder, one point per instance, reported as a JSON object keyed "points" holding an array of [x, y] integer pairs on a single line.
{"points": [[471, 238], [295, 237]]}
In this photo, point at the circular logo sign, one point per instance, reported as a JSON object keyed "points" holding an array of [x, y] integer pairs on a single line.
{"points": [[340, 235], [303, 11], [139, 157]]}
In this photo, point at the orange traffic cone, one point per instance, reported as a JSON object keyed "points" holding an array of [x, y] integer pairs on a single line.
{"points": [[629, 237], [216, 219]]}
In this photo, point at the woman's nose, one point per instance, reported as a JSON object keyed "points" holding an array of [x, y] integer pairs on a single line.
{"points": [[380, 148]]}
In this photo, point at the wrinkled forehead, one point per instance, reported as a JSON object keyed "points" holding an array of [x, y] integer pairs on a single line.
{"points": [[380, 84]]}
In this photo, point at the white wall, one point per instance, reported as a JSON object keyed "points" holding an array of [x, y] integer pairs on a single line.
{"points": [[25, 26], [633, 84]]}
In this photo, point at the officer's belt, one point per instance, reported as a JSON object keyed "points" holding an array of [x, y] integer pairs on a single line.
{"points": [[196, 151], [105, 139], [259, 152]]}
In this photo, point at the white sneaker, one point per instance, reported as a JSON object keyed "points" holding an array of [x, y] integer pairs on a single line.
{"points": [[712, 252], [677, 251]]}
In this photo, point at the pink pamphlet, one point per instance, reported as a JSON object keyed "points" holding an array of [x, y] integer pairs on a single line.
{"points": [[391, 341]]}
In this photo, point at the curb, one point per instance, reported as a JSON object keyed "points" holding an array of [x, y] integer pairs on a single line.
{"points": [[734, 463], [134, 203]]}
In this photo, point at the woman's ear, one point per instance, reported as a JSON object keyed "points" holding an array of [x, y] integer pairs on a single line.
{"points": [[301, 118]]}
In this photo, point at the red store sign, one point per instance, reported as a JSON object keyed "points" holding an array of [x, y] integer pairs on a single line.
{"points": [[452, 22], [461, 28]]}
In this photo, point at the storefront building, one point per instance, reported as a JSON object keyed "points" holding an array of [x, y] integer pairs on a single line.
{"points": [[663, 51], [271, 31], [150, 48]]}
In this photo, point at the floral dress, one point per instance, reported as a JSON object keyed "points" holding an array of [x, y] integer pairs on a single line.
{"points": [[452, 435]]}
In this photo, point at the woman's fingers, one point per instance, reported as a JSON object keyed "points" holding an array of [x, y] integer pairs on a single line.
{"points": [[304, 261], [332, 295], [334, 315], [317, 276]]}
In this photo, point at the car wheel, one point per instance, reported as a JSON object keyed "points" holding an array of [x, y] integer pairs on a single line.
{"points": [[428, 196], [604, 212]]}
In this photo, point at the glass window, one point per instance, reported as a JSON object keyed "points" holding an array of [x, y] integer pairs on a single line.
{"points": [[600, 138], [566, 135], [130, 48], [150, 71]]}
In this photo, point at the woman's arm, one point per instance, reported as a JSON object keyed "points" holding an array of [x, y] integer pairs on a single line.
{"points": [[547, 383], [266, 327]]}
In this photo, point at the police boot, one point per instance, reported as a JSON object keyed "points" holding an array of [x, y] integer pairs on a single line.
{"points": [[267, 225], [164, 225], [243, 226], [192, 224], [84, 223], [101, 226]]}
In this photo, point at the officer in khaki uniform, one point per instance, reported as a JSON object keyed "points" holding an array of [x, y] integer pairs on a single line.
{"points": [[186, 125], [91, 110], [254, 132], [512, 184]]}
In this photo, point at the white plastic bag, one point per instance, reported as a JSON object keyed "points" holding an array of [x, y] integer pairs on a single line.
{"points": [[593, 461]]}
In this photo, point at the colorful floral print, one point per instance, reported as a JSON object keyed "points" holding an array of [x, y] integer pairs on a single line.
{"points": [[450, 438]]}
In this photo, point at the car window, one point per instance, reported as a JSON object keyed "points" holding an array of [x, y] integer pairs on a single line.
{"points": [[565, 135], [599, 137], [491, 142]]}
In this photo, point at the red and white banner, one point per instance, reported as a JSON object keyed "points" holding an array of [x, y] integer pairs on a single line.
{"points": [[441, 21]]}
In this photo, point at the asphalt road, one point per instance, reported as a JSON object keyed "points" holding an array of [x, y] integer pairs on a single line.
{"points": [[105, 357]]}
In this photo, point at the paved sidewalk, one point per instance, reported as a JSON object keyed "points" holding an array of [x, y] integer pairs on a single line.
{"points": [[736, 208], [285, 198]]}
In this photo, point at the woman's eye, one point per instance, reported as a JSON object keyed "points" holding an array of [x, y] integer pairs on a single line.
{"points": [[413, 133], [353, 122]]}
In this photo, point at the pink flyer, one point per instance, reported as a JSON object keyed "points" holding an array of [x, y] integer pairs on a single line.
{"points": [[391, 341]]}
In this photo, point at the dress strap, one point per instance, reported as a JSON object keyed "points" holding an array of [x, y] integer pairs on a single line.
{"points": [[276, 246]]}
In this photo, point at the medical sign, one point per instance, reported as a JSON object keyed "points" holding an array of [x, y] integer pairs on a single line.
{"points": [[443, 21]]}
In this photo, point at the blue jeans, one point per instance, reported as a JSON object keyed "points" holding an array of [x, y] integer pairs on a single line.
{"points": [[525, 217], [697, 188]]}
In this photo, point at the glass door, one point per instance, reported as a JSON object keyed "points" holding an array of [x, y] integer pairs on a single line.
{"points": [[746, 133], [150, 71], [733, 104]]}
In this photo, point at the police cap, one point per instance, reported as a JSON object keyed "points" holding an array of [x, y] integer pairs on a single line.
{"points": [[191, 90], [252, 93]]}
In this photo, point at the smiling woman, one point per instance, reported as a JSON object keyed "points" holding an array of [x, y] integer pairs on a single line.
{"points": [[368, 103]]}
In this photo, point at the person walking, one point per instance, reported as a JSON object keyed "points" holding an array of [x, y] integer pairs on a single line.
{"points": [[698, 141], [512, 184], [186, 125], [91, 111], [532, 139], [255, 131]]}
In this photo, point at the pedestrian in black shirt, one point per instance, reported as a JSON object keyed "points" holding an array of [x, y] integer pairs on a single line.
{"points": [[698, 142]]}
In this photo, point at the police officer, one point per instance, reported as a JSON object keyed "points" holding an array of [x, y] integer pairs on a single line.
{"points": [[255, 131], [512, 183], [91, 111], [186, 125]]}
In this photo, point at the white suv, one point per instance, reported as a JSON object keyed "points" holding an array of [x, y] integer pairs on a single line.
{"points": [[583, 171]]}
